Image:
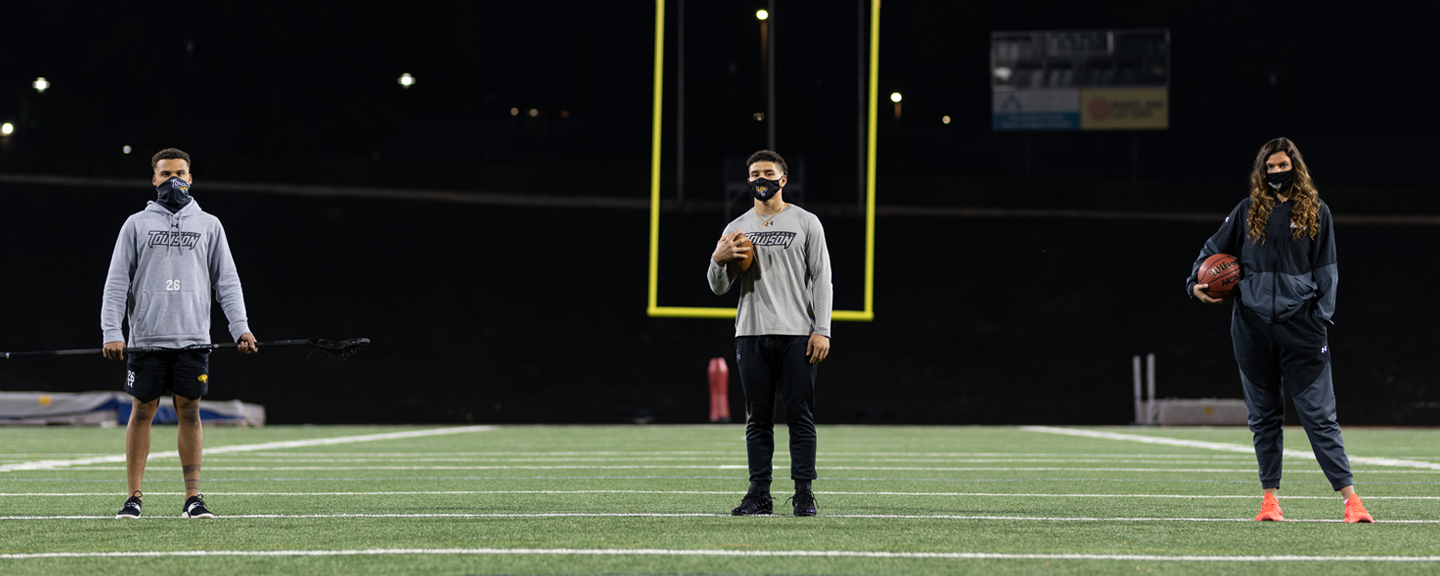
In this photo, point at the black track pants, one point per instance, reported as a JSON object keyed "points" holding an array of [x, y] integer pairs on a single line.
{"points": [[771, 365], [1295, 353]]}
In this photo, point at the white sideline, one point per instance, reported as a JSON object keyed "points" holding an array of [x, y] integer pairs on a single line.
{"points": [[704, 552], [1221, 446], [737, 467], [50, 464], [364, 459], [733, 454], [719, 492], [701, 515]]}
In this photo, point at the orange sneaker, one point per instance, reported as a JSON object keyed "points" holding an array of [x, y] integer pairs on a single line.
{"points": [[1270, 510], [1355, 511]]}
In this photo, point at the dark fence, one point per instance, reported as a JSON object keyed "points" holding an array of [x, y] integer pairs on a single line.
{"points": [[513, 314]]}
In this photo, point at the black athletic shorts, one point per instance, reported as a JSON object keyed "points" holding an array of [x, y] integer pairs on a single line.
{"points": [[180, 372]]}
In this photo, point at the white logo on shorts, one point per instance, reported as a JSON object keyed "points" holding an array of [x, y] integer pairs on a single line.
{"points": [[1324, 349], [129, 378]]}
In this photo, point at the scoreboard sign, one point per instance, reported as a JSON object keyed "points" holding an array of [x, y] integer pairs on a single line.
{"points": [[1080, 80]]}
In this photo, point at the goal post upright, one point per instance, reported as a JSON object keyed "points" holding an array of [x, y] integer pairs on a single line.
{"points": [[653, 307], [655, 156]]}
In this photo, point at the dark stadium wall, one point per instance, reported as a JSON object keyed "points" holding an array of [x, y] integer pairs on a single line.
{"points": [[537, 315]]}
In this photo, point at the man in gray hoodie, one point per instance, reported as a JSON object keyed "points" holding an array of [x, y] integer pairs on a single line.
{"points": [[167, 260]]}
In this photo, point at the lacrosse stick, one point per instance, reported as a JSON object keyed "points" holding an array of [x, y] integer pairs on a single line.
{"points": [[342, 348]]}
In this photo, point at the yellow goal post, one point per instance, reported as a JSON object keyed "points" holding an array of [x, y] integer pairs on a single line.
{"points": [[653, 308]]}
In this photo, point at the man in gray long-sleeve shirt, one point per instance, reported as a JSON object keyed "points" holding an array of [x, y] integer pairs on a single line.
{"points": [[167, 260], [782, 327]]}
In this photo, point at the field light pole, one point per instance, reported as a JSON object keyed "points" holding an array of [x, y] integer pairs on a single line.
{"points": [[767, 47], [680, 106], [860, 104]]}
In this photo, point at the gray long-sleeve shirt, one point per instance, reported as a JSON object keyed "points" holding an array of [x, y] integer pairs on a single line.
{"points": [[787, 291], [161, 275]]}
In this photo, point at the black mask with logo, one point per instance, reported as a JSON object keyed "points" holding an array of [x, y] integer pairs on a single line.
{"points": [[763, 189], [173, 194], [1280, 181]]}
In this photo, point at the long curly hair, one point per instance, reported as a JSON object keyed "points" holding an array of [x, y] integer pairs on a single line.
{"points": [[1306, 213]]}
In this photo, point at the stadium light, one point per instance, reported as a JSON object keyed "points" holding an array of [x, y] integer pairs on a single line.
{"points": [[514, 111], [534, 112], [894, 96], [41, 84], [406, 80], [945, 120], [762, 15], [7, 129], [759, 116], [125, 149]]}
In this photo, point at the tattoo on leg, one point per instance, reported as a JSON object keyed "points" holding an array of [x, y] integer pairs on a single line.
{"points": [[192, 484], [192, 468]]}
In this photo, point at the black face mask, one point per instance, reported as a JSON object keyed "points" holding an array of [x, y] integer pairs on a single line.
{"points": [[1279, 181], [763, 189], [173, 194]]}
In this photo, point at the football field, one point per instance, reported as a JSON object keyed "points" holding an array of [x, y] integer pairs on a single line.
{"points": [[656, 499]]}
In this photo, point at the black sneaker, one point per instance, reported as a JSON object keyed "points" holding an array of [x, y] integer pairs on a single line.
{"points": [[195, 508], [804, 503], [754, 505], [131, 509]]}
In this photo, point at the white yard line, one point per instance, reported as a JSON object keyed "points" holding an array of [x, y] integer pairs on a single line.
{"points": [[51, 464], [690, 467], [710, 552], [703, 515], [1290, 453], [720, 492], [356, 460], [737, 467], [1043, 519], [733, 454]]}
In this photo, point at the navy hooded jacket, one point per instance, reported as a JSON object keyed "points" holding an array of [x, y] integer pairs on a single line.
{"points": [[1285, 272]]}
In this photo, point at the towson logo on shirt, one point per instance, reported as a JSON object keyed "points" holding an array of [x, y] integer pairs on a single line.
{"points": [[174, 238], [781, 239]]}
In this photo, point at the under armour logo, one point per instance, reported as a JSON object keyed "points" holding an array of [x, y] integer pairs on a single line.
{"points": [[1324, 349]]}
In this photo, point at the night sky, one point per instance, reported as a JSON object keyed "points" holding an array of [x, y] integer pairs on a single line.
{"points": [[296, 92]]}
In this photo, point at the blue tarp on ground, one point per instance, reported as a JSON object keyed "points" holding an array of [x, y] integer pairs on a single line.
{"points": [[113, 408]]}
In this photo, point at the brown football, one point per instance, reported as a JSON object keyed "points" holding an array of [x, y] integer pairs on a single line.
{"points": [[739, 265]]}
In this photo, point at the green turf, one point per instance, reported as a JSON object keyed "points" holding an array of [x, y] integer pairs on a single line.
{"points": [[996, 490]]}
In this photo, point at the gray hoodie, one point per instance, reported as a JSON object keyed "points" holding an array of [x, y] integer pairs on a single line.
{"points": [[161, 275]]}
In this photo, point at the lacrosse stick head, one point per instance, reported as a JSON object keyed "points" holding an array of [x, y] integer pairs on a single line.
{"points": [[341, 348]]}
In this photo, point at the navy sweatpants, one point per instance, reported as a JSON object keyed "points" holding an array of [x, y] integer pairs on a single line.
{"points": [[771, 365], [1288, 358]]}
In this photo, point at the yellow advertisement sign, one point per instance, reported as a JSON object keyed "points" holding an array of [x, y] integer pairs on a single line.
{"points": [[1125, 108]]}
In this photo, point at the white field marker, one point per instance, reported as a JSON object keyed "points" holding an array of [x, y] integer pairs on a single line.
{"points": [[711, 552], [51, 464], [709, 492], [1289, 453], [776, 518]]}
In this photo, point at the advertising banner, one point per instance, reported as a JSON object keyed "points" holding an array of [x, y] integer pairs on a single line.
{"points": [[1124, 109]]}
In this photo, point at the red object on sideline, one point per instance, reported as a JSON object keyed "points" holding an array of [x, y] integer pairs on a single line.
{"points": [[719, 374]]}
